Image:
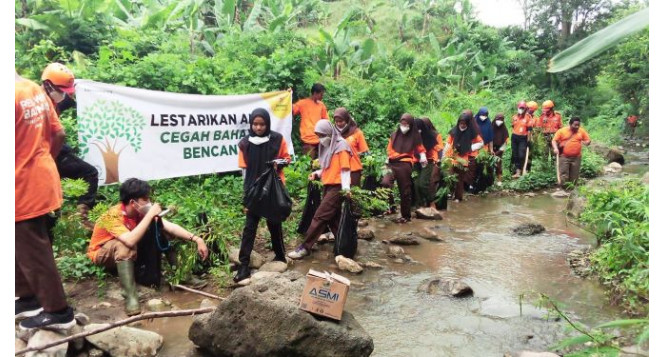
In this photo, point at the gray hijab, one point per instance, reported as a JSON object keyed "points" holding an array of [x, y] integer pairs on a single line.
{"points": [[337, 144]]}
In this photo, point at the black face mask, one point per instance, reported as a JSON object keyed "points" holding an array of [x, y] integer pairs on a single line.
{"points": [[65, 104]]}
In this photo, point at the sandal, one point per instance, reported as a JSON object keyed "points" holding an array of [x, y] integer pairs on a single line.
{"points": [[401, 220]]}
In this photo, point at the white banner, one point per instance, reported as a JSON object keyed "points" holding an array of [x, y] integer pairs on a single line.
{"points": [[127, 132]]}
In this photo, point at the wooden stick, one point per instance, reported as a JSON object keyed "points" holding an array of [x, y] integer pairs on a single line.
{"points": [[198, 292], [525, 163], [149, 315]]}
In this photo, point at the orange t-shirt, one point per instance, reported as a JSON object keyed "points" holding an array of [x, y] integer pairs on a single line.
{"points": [[551, 123], [432, 154], [310, 113], [572, 141], [332, 175], [407, 157], [521, 125], [358, 145], [283, 154], [37, 188], [632, 119], [453, 154], [110, 225]]}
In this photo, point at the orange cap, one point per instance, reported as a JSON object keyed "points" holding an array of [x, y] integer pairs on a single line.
{"points": [[60, 76], [548, 104], [532, 105]]}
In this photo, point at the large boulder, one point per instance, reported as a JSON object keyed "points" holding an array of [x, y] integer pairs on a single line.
{"points": [[576, 205], [616, 155], [528, 229], [445, 286], [125, 341], [264, 319], [255, 260]]}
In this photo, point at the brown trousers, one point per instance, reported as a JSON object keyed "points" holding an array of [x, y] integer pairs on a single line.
{"points": [[114, 251], [356, 178], [311, 150], [327, 214], [569, 168], [35, 272], [499, 165], [461, 175], [401, 172]]}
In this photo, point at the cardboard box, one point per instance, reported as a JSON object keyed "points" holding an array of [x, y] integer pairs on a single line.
{"points": [[325, 294]]}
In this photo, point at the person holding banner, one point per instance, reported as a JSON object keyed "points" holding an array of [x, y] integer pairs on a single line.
{"points": [[118, 232], [335, 157], [348, 128], [258, 148], [311, 110]]}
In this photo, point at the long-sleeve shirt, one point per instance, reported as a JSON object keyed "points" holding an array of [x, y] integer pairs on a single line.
{"points": [[450, 152], [359, 145], [405, 157]]}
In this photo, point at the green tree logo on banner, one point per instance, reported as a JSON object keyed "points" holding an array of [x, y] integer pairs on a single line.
{"points": [[102, 125]]}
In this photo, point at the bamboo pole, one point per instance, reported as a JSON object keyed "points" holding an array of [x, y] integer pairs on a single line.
{"points": [[198, 292]]}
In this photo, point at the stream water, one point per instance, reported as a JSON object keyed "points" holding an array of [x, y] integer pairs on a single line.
{"points": [[479, 247]]}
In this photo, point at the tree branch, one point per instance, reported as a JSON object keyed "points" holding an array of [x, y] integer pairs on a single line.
{"points": [[150, 315], [197, 292]]}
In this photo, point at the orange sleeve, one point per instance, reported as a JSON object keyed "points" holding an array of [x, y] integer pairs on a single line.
{"points": [[283, 151], [419, 149], [558, 135], [584, 135], [296, 108], [344, 160], [450, 142], [390, 151], [440, 145], [323, 114], [477, 139], [240, 160], [361, 142], [53, 119]]}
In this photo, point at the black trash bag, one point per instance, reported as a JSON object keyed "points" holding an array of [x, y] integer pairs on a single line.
{"points": [[147, 269], [310, 207], [371, 183], [482, 180], [441, 202], [267, 197], [345, 241]]}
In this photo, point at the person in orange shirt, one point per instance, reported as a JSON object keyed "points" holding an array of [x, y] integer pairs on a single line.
{"points": [[349, 130], [335, 164], [462, 140], [532, 108], [632, 121], [567, 142], [260, 146], [426, 183], [122, 232], [404, 145], [311, 110], [41, 299], [522, 125], [550, 122]]}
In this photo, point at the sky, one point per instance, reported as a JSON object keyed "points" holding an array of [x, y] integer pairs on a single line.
{"points": [[498, 13]]}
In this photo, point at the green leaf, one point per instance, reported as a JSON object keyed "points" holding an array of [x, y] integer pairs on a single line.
{"points": [[622, 323], [573, 341], [31, 24], [599, 42]]}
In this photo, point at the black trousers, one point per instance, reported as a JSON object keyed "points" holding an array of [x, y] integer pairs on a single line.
{"points": [[519, 145], [71, 166], [249, 236]]}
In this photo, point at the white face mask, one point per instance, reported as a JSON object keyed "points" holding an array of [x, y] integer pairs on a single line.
{"points": [[464, 129], [404, 128], [326, 141], [145, 208], [342, 128], [499, 122], [521, 110], [483, 117], [258, 140]]}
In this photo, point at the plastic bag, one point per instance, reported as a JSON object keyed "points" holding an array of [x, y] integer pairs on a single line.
{"points": [[267, 197], [345, 242], [147, 269], [310, 207]]}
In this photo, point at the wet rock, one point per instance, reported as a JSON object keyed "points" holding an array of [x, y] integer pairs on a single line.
{"points": [[445, 286], [365, 234], [326, 238], [263, 275], [95, 352], [579, 262], [394, 251], [255, 260], [528, 229], [126, 341], [102, 305], [612, 168], [536, 354], [428, 213], [208, 303], [560, 194], [156, 305], [78, 343], [275, 266], [348, 264], [372, 265], [529, 194], [81, 318], [362, 223], [19, 344], [43, 337], [398, 261], [576, 205], [245, 325], [405, 240], [428, 234], [616, 155]]}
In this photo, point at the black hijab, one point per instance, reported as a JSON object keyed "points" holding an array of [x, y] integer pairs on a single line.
{"points": [[406, 143], [500, 134], [428, 135], [463, 140], [256, 156]]}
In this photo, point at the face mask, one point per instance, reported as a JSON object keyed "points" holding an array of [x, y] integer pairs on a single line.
{"points": [[258, 140], [65, 104], [464, 129], [499, 122], [521, 110], [342, 128], [325, 141], [404, 128], [145, 208], [483, 117]]}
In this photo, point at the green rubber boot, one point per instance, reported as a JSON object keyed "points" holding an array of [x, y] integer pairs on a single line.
{"points": [[126, 274]]}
